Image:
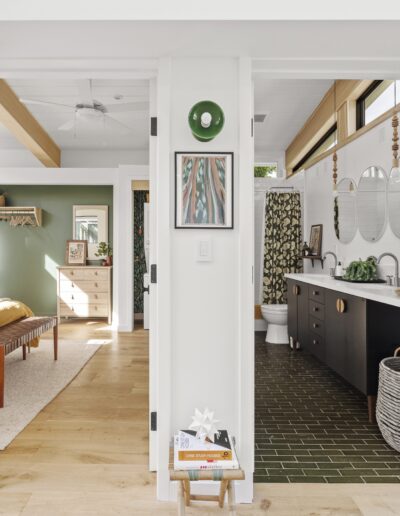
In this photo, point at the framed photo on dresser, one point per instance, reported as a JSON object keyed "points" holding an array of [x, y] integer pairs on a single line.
{"points": [[76, 252]]}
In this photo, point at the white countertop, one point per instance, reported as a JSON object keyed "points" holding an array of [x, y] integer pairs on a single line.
{"points": [[379, 292]]}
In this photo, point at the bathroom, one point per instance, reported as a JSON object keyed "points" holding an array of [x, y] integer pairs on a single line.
{"points": [[315, 416]]}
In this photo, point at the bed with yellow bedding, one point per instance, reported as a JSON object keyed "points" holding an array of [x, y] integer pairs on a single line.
{"points": [[11, 311]]}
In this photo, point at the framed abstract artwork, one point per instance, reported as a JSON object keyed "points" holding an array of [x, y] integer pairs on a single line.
{"points": [[316, 239], [204, 190]]}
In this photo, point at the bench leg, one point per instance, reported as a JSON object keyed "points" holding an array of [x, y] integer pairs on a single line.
{"points": [[2, 358], [23, 351], [181, 499], [55, 336], [231, 499]]}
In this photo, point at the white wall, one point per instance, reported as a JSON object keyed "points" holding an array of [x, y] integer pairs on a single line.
{"points": [[205, 297], [77, 158], [373, 148]]}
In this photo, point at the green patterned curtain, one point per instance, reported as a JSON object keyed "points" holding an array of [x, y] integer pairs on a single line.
{"points": [[139, 198], [282, 244]]}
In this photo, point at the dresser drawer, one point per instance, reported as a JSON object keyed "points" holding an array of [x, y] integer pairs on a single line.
{"points": [[316, 309], [83, 310], [100, 298], [83, 286], [84, 274], [316, 293], [317, 326]]}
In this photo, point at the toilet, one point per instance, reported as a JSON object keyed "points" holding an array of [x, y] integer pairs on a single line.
{"points": [[276, 318]]}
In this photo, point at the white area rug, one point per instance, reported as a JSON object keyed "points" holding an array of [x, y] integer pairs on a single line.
{"points": [[32, 383]]}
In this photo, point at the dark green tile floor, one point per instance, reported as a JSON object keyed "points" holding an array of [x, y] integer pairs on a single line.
{"points": [[312, 426]]}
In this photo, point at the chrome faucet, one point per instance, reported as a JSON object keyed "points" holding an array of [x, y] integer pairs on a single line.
{"points": [[333, 270], [332, 254], [396, 266]]}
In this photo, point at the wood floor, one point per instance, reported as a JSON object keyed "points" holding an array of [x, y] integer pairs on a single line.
{"points": [[86, 453]]}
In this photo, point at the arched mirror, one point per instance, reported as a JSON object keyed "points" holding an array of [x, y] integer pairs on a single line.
{"points": [[345, 210], [371, 203], [394, 200]]}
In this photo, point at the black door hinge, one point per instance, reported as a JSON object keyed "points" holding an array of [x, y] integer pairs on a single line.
{"points": [[153, 273], [153, 126], [153, 421]]}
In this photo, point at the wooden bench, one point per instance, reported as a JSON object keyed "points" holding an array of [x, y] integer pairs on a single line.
{"points": [[20, 334]]}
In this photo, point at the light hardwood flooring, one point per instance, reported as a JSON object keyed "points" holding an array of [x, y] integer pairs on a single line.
{"points": [[86, 452]]}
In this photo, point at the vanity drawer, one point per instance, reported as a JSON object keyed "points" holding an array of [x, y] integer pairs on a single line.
{"points": [[83, 310], [84, 274], [317, 326], [316, 310], [83, 286], [316, 293], [317, 346]]}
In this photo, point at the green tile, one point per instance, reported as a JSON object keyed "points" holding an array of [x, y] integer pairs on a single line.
{"points": [[308, 480], [345, 480], [381, 480]]}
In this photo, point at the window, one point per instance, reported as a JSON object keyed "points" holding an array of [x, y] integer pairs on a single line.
{"points": [[325, 143], [376, 100], [266, 169]]}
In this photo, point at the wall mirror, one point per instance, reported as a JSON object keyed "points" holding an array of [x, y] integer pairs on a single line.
{"points": [[345, 210], [371, 203], [90, 223], [394, 200]]}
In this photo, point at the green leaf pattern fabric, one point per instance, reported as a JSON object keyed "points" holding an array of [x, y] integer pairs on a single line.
{"points": [[282, 244], [139, 268]]}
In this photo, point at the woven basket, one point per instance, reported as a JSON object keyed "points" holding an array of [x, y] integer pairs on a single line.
{"points": [[2, 200], [388, 404]]}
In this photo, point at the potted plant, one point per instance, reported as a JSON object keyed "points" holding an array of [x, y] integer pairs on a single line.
{"points": [[104, 250]]}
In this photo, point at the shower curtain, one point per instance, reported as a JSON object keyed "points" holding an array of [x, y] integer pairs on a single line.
{"points": [[282, 244]]}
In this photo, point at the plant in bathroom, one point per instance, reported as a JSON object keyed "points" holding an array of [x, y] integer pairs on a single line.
{"points": [[104, 250], [362, 270]]}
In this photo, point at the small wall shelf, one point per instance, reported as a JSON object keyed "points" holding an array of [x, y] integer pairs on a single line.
{"points": [[21, 215], [313, 257]]}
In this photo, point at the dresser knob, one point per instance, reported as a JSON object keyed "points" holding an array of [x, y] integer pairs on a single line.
{"points": [[72, 273], [315, 325], [315, 341], [95, 273], [315, 292], [315, 309], [341, 305], [96, 285]]}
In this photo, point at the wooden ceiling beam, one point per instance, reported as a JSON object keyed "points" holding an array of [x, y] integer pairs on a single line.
{"points": [[23, 125]]}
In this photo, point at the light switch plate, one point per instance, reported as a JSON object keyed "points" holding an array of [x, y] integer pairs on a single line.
{"points": [[204, 250]]}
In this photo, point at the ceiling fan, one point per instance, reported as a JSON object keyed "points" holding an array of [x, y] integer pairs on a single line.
{"points": [[92, 113]]}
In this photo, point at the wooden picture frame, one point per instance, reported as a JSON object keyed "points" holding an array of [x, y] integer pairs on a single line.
{"points": [[210, 206], [76, 252], [315, 244]]}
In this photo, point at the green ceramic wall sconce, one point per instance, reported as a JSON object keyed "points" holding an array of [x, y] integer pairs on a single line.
{"points": [[206, 120]]}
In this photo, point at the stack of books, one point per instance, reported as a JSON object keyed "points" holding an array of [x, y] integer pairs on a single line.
{"points": [[192, 453]]}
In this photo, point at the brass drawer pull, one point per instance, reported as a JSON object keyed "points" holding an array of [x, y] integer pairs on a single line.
{"points": [[315, 341], [315, 325], [296, 290], [341, 305], [315, 292], [315, 309]]}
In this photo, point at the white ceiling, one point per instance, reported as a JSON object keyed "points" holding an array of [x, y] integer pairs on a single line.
{"points": [[101, 136], [287, 103]]}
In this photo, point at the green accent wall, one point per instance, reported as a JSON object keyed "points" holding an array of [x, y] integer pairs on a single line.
{"points": [[29, 255]]}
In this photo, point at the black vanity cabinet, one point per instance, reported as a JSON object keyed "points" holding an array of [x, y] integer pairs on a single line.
{"points": [[297, 293], [348, 333], [346, 338]]}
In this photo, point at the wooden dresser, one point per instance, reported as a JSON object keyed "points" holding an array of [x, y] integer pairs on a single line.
{"points": [[84, 292]]}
